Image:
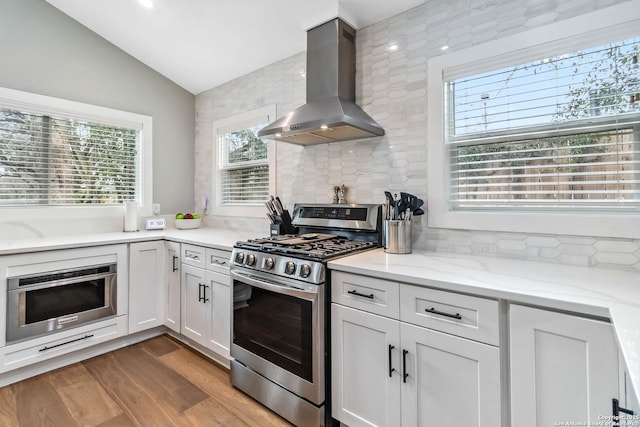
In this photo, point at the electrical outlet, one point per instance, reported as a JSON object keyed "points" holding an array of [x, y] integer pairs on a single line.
{"points": [[156, 223], [156, 208]]}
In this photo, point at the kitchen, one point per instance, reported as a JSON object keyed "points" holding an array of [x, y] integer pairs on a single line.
{"points": [[391, 87]]}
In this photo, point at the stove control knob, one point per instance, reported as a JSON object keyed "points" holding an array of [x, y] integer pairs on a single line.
{"points": [[305, 270], [251, 260], [240, 257], [290, 267], [269, 263]]}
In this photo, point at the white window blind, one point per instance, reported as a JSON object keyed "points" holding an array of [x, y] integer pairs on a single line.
{"points": [[55, 159], [244, 165], [558, 133]]}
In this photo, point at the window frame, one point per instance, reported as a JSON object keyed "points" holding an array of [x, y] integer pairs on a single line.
{"points": [[43, 104], [240, 121], [599, 27]]}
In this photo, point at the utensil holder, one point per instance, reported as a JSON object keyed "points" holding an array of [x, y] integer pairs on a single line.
{"points": [[396, 236]]}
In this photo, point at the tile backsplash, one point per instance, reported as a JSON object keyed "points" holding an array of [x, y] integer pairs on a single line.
{"points": [[391, 86]]}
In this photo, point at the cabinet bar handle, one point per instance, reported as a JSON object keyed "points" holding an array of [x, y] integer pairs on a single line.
{"points": [[390, 364], [616, 409], [173, 264], [370, 296], [440, 313], [65, 343], [200, 285], [404, 366], [204, 293]]}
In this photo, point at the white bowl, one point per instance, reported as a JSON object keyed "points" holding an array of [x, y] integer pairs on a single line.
{"points": [[188, 224]]}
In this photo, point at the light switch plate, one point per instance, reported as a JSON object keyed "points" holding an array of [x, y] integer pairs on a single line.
{"points": [[156, 223]]}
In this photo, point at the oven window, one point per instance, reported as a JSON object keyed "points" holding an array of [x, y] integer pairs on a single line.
{"points": [[277, 328], [56, 301]]}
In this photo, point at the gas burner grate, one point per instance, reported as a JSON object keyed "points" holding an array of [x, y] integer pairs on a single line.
{"points": [[313, 249]]}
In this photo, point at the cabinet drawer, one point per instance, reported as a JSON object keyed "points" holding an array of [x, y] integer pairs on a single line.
{"points": [[218, 260], [462, 315], [365, 293], [43, 348], [194, 255]]}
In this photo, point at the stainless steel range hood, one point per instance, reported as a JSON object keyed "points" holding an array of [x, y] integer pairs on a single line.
{"points": [[330, 113]]}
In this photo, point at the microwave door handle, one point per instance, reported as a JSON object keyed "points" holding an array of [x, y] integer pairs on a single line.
{"points": [[279, 289], [60, 282]]}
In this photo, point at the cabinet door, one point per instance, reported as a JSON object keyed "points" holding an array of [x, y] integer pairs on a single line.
{"points": [[146, 285], [172, 267], [365, 392], [451, 381], [563, 368], [220, 337], [196, 304]]}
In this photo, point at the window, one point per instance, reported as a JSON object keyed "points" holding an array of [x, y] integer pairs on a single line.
{"points": [[245, 163], [555, 133], [539, 132], [55, 152]]}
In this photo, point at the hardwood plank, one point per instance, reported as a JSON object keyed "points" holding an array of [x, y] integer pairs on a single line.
{"points": [[165, 384], [84, 397], [215, 381], [8, 413], [161, 345], [210, 412], [137, 403], [38, 404], [120, 421]]}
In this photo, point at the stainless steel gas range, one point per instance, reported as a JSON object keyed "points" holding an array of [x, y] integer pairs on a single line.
{"points": [[281, 298]]}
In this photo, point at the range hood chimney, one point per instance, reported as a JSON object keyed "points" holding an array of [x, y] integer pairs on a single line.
{"points": [[330, 113]]}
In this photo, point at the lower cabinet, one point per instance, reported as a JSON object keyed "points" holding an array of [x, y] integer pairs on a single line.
{"points": [[147, 285], [390, 373], [206, 300], [564, 368], [173, 291]]}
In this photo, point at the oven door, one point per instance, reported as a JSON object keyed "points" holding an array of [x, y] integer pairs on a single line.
{"points": [[278, 330]]}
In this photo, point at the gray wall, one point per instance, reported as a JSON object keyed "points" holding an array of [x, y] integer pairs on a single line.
{"points": [[46, 52]]}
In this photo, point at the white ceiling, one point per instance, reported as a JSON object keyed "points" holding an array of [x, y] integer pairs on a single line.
{"points": [[200, 44]]}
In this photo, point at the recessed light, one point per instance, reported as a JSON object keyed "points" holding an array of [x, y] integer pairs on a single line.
{"points": [[392, 48], [146, 3], [445, 47]]}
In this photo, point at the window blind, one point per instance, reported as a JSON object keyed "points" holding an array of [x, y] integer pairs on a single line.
{"points": [[57, 160], [555, 133], [244, 166]]}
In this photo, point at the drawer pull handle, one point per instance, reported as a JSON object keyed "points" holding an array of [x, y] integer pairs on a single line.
{"points": [[404, 366], [65, 343], [440, 313], [390, 364], [370, 296], [193, 257], [218, 262], [616, 409]]}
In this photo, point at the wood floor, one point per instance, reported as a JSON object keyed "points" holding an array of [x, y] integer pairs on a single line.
{"points": [[159, 382]]}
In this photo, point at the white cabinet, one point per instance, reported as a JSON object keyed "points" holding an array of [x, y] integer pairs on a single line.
{"points": [[196, 307], [220, 323], [364, 349], [206, 298], [563, 368], [388, 372], [146, 285], [173, 297]]}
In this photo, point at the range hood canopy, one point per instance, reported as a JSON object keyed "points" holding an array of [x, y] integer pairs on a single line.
{"points": [[330, 113]]}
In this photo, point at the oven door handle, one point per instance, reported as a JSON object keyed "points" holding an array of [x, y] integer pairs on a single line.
{"points": [[273, 287]]}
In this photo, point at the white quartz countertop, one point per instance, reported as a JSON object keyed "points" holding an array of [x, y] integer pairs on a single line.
{"points": [[613, 294], [210, 237]]}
